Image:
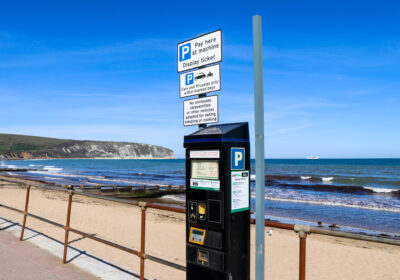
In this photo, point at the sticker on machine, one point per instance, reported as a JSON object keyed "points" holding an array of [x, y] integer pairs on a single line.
{"points": [[202, 184], [204, 153], [240, 191]]}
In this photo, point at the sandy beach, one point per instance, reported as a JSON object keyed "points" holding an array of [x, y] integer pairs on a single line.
{"points": [[327, 257]]}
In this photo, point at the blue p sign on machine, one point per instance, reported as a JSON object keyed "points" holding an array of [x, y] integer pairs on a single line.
{"points": [[237, 158]]}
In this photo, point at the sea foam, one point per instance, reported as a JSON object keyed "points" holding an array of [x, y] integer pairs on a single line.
{"points": [[380, 190], [331, 203], [327, 179]]}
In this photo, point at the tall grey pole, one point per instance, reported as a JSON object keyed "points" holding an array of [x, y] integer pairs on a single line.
{"points": [[204, 125], [259, 137]]}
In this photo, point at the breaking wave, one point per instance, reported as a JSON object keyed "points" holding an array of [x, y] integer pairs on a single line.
{"points": [[330, 203], [327, 179], [51, 168], [336, 188]]}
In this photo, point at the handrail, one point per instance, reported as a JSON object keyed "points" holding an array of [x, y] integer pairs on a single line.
{"points": [[302, 230], [70, 191]]}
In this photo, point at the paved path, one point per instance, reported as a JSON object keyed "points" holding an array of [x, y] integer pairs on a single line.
{"points": [[24, 261]]}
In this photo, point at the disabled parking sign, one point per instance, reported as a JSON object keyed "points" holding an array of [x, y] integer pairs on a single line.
{"points": [[200, 51]]}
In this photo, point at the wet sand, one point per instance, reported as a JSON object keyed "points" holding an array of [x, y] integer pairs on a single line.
{"points": [[327, 257]]}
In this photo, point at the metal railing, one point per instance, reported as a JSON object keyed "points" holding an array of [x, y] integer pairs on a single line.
{"points": [[71, 192], [302, 230]]}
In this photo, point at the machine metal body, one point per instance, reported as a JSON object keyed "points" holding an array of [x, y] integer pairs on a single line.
{"points": [[218, 203]]}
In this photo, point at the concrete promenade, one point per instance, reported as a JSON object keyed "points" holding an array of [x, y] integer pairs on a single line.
{"points": [[40, 257], [25, 261]]}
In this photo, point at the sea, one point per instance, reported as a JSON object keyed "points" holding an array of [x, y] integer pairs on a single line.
{"points": [[357, 195]]}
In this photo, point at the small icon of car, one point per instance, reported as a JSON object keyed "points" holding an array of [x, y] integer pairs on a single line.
{"points": [[210, 74], [200, 76]]}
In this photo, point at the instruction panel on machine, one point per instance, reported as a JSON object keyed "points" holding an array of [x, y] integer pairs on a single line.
{"points": [[240, 191], [205, 169]]}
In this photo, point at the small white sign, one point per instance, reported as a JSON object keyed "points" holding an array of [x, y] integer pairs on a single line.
{"points": [[200, 110], [200, 81], [204, 184], [204, 153], [240, 191], [200, 51]]}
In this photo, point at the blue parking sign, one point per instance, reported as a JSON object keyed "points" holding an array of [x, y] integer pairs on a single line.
{"points": [[237, 158], [189, 79], [184, 52]]}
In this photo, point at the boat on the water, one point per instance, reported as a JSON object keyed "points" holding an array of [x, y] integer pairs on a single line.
{"points": [[312, 157]]}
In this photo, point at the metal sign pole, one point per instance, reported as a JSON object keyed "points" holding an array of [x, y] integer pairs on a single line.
{"points": [[204, 125], [259, 137]]}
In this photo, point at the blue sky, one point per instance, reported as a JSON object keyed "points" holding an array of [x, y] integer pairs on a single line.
{"points": [[106, 70]]}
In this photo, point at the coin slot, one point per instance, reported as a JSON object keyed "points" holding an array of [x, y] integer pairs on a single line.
{"points": [[192, 212]]}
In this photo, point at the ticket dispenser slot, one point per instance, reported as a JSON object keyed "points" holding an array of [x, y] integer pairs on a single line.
{"points": [[218, 202]]}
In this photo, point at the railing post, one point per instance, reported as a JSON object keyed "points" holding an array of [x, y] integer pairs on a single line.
{"points": [[143, 206], [302, 230], [302, 260], [28, 190], [67, 224]]}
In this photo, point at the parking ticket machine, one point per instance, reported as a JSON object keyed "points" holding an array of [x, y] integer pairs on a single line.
{"points": [[218, 203]]}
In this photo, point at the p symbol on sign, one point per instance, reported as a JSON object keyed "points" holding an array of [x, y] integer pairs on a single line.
{"points": [[184, 52], [189, 79], [237, 158]]}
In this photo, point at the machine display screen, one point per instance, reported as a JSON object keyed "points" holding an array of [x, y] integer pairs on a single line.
{"points": [[197, 232], [205, 169]]}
